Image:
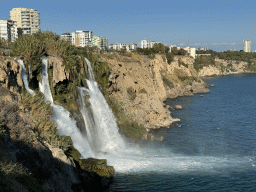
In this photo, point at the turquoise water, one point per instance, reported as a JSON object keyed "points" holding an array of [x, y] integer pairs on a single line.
{"points": [[213, 148]]}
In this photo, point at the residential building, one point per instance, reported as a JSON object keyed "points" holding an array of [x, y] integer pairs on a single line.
{"points": [[5, 30], [27, 19], [247, 46], [144, 44], [100, 42], [203, 48], [15, 31], [133, 46], [9, 30], [66, 37], [191, 51], [82, 38], [119, 46]]}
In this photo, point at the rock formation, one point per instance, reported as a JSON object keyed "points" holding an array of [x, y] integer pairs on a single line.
{"points": [[223, 67], [141, 87]]}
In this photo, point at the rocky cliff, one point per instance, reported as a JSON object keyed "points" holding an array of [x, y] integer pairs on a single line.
{"points": [[224, 67], [28, 160], [142, 85]]}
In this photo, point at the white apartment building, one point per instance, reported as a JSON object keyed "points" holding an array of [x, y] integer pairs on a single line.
{"points": [[133, 46], [144, 44], [27, 19], [82, 38], [191, 51], [5, 30], [100, 42], [203, 48], [247, 46], [119, 46], [9, 30]]}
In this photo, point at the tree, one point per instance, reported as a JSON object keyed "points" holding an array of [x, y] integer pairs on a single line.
{"points": [[158, 48]]}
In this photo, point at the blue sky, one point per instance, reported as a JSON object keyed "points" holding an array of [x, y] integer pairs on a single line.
{"points": [[217, 24]]}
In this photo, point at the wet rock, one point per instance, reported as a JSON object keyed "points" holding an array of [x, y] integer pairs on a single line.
{"points": [[161, 138], [98, 166]]}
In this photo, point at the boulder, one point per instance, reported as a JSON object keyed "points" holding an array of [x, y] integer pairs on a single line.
{"points": [[178, 107], [98, 166]]}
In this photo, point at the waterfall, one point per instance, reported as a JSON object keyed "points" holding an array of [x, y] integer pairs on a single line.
{"points": [[25, 77], [101, 126], [65, 125]]}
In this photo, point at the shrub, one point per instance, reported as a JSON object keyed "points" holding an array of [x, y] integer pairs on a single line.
{"points": [[168, 82], [142, 90], [182, 63], [169, 57], [131, 93], [202, 61]]}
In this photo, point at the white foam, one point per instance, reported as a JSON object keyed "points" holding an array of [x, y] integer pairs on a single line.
{"points": [[25, 77], [65, 125]]}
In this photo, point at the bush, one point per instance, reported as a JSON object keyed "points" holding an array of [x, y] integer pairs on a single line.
{"points": [[131, 93], [142, 90], [202, 61], [169, 57], [182, 63], [168, 82]]}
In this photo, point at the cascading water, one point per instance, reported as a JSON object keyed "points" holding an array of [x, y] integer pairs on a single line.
{"points": [[65, 125], [102, 132], [25, 77], [101, 126]]}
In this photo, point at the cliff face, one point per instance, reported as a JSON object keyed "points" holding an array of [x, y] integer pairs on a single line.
{"points": [[59, 72], [223, 67], [10, 74], [143, 85], [40, 164]]}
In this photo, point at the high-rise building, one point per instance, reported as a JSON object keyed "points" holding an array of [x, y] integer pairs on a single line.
{"points": [[27, 19], [247, 46], [100, 42], [82, 38]]}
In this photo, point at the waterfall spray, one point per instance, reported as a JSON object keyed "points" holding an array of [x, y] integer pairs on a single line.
{"points": [[25, 77], [65, 125], [101, 126]]}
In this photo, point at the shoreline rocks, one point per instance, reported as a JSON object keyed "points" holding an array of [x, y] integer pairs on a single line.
{"points": [[178, 107]]}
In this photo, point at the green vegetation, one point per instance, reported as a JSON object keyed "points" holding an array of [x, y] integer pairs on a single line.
{"points": [[45, 126], [32, 47], [203, 61], [11, 172], [252, 66], [169, 57], [128, 127], [168, 82], [142, 90], [182, 63], [131, 92], [177, 51]]}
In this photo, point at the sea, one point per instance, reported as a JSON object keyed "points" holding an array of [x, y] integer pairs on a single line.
{"points": [[212, 148]]}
